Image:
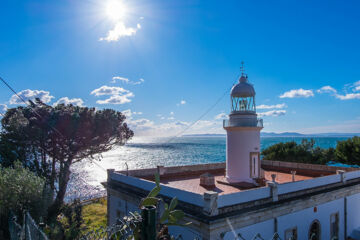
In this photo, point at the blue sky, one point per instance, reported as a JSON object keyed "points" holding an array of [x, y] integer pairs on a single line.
{"points": [[166, 62]]}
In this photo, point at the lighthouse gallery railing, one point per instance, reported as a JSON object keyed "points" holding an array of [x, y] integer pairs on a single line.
{"points": [[242, 123]]}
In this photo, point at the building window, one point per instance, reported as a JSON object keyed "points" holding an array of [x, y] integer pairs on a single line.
{"points": [[291, 234], [314, 231], [334, 226]]}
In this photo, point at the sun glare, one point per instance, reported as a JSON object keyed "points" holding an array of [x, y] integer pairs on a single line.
{"points": [[115, 9]]}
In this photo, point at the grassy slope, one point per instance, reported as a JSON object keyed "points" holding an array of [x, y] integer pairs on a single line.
{"points": [[94, 214]]}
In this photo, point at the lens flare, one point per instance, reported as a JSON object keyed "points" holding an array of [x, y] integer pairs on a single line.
{"points": [[115, 10]]}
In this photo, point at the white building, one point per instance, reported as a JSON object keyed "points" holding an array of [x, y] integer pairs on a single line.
{"points": [[245, 196]]}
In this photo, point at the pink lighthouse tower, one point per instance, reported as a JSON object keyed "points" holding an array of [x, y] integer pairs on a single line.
{"points": [[243, 134]]}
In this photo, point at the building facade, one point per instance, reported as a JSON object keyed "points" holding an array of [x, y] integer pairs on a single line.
{"points": [[247, 197]]}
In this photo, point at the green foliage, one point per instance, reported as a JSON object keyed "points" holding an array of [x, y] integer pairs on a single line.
{"points": [[348, 151], [94, 215], [21, 189], [69, 224], [74, 220], [170, 216], [305, 152], [50, 139]]}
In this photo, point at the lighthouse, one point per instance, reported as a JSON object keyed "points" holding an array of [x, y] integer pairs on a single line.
{"points": [[243, 134]]}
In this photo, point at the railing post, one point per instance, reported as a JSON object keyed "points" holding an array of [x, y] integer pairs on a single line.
{"points": [[274, 191]]}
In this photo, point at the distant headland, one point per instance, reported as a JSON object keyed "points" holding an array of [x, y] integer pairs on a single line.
{"points": [[283, 134]]}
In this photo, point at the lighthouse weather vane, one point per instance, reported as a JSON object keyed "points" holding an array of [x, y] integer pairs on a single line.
{"points": [[242, 69]]}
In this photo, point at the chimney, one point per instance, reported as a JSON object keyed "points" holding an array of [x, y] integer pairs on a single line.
{"points": [[207, 180]]}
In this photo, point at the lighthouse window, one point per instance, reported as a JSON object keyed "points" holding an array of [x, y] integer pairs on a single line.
{"points": [[243, 104], [334, 226]]}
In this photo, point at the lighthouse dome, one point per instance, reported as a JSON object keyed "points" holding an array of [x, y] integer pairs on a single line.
{"points": [[243, 89]]}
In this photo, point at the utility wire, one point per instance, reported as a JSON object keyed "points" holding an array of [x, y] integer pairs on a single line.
{"points": [[201, 116], [168, 141], [32, 108]]}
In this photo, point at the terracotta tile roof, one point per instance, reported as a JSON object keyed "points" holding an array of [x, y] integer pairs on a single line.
{"points": [[191, 183]]}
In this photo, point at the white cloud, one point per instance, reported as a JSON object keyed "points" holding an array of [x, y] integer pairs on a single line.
{"points": [[120, 30], [106, 90], [117, 99], [3, 109], [74, 101], [278, 106], [348, 96], [272, 113], [327, 89], [221, 116], [182, 102], [145, 127], [114, 79], [127, 81], [171, 113], [298, 93], [28, 94], [171, 118], [128, 113], [141, 80], [355, 87]]}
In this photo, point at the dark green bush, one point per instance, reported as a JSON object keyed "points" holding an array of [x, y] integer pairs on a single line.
{"points": [[347, 151], [21, 189]]}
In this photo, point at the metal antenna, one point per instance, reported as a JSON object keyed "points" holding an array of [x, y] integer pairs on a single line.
{"points": [[242, 69]]}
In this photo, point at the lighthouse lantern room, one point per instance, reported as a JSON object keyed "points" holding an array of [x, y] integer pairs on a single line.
{"points": [[243, 135]]}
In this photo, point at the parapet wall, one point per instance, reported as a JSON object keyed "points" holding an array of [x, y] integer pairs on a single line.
{"points": [[177, 171], [314, 170], [328, 178]]}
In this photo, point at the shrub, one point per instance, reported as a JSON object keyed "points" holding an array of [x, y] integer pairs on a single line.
{"points": [[20, 189], [348, 151]]}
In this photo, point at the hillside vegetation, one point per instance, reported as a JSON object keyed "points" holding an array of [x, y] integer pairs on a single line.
{"points": [[347, 152]]}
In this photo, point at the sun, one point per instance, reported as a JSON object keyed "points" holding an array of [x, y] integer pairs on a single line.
{"points": [[115, 9]]}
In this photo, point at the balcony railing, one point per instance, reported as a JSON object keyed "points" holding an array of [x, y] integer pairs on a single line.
{"points": [[243, 123]]}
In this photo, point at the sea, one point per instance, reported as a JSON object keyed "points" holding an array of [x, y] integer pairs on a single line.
{"points": [[87, 175]]}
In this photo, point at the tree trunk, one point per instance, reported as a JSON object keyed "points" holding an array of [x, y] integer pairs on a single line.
{"points": [[64, 177], [53, 174]]}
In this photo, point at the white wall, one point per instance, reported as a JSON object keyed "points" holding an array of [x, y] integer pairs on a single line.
{"points": [[185, 232], [303, 219], [239, 144], [117, 204], [353, 215], [266, 229]]}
